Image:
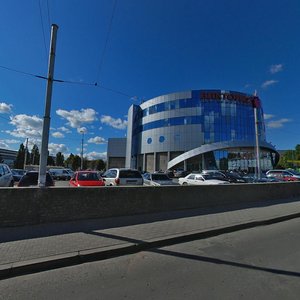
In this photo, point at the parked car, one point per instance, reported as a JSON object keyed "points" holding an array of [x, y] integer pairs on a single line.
{"points": [[122, 176], [181, 173], [285, 175], [87, 178], [198, 179], [31, 179], [6, 176], [60, 174], [234, 177], [170, 173], [17, 174], [157, 179]]}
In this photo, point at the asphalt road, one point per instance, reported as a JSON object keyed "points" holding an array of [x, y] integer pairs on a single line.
{"points": [[259, 263]]}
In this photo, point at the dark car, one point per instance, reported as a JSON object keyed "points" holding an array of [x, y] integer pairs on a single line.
{"points": [[181, 173], [234, 177], [18, 174], [31, 179]]}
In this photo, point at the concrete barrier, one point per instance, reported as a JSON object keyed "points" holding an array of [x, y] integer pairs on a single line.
{"points": [[21, 206]]}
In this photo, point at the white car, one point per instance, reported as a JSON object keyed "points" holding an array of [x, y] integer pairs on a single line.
{"points": [[200, 179], [122, 176]]}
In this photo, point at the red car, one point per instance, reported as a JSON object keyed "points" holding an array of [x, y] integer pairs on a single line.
{"points": [[86, 178]]}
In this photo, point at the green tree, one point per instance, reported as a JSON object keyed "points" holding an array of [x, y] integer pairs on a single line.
{"points": [[50, 161], [19, 162], [60, 159], [76, 162], [100, 165], [69, 161], [35, 155]]}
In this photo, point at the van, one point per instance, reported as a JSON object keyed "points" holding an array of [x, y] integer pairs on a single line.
{"points": [[6, 176], [122, 176]]}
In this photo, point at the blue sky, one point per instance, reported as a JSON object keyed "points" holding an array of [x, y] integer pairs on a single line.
{"points": [[136, 50]]}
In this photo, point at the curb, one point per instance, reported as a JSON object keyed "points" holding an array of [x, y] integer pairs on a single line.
{"points": [[85, 256]]}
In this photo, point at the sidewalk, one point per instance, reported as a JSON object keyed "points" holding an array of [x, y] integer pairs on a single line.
{"points": [[41, 247]]}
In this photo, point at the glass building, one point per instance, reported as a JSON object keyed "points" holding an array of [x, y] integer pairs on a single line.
{"points": [[196, 130]]}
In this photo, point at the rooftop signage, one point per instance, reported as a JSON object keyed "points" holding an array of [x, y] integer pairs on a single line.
{"points": [[218, 95]]}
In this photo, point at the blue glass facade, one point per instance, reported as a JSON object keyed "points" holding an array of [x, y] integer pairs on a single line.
{"points": [[177, 123]]}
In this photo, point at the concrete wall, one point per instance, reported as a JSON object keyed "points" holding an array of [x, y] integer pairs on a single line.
{"points": [[19, 206]]}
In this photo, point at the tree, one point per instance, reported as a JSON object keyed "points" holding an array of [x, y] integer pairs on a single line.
{"points": [[60, 159], [19, 162], [100, 165], [50, 161], [69, 161], [76, 162], [35, 155]]}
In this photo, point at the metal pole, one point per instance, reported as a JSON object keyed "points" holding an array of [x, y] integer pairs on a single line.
{"points": [[258, 168], [46, 123], [81, 163], [25, 155]]}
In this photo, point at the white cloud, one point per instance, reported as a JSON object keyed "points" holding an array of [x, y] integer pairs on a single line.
{"points": [[276, 68], [97, 140], [12, 141], [277, 123], [268, 83], [268, 116], [115, 123], [64, 129], [55, 148], [96, 155], [58, 135], [76, 118], [26, 126], [82, 130], [3, 145], [5, 108]]}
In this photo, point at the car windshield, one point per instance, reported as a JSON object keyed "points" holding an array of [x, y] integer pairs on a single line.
{"points": [[208, 177], [18, 172], [294, 172], [88, 177], [160, 177]]}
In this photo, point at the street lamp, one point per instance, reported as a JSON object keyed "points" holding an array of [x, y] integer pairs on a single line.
{"points": [[81, 163]]}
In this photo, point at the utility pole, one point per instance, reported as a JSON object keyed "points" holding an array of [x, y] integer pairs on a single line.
{"points": [[81, 163], [46, 122], [256, 105], [25, 155]]}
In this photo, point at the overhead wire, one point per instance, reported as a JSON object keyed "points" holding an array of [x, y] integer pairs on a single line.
{"points": [[43, 29], [68, 81], [48, 13], [106, 40]]}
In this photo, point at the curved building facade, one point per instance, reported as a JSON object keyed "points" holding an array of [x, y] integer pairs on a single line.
{"points": [[196, 130]]}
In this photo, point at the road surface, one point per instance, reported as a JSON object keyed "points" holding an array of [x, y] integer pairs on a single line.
{"points": [[259, 263]]}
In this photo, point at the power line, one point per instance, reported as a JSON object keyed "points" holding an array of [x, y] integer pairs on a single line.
{"points": [[18, 71], [5, 118], [106, 40], [43, 29], [48, 12]]}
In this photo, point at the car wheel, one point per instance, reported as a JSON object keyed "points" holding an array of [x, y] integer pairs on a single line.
{"points": [[184, 183]]}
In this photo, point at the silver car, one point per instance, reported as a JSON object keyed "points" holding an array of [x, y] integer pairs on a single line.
{"points": [[157, 179], [122, 176], [6, 176]]}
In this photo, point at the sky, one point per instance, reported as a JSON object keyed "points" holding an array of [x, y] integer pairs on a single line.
{"points": [[111, 54]]}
